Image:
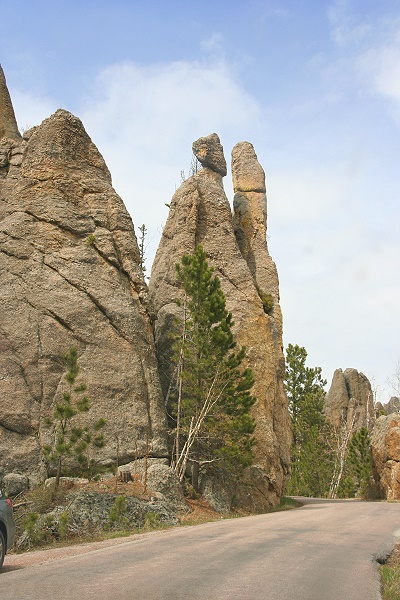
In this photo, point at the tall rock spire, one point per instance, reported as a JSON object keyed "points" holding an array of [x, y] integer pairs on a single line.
{"points": [[8, 123], [201, 214]]}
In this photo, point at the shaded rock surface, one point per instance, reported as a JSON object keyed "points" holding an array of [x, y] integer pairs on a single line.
{"points": [[350, 400], [70, 277], [8, 123], [200, 214], [385, 444]]}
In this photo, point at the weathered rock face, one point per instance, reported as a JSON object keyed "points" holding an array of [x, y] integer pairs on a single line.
{"points": [[385, 444], [200, 214], [350, 400], [393, 406], [70, 277], [8, 123]]}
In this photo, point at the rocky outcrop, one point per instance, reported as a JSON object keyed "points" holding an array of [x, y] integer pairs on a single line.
{"points": [[8, 123], [200, 214], [70, 277], [350, 400], [393, 406], [385, 445]]}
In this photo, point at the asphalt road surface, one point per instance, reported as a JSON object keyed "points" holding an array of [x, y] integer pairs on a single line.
{"points": [[322, 551]]}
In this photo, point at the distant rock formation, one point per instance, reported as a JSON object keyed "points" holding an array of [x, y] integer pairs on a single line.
{"points": [[70, 277], [200, 214], [350, 400], [385, 445], [393, 406]]}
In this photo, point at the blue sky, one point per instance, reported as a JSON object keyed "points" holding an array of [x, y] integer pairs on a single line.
{"points": [[315, 86]]}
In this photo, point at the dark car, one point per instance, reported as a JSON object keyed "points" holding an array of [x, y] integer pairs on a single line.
{"points": [[7, 527]]}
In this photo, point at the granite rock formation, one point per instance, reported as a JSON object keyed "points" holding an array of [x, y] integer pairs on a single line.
{"points": [[393, 406], [200, 214], [350, 400], [70, 277], [8, 123], [385, 445]]}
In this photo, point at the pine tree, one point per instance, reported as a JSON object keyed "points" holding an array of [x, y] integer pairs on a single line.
{"points": [[70, 439], [310, 458], [360, 460], [209, 401]]}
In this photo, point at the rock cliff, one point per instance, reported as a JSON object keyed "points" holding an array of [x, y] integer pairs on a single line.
{"points": [[350, 400], [70, 277], [385, 445], [200, 214]]}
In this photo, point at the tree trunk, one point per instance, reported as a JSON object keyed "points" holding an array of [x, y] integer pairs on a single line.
{"points": [[195, 476]]}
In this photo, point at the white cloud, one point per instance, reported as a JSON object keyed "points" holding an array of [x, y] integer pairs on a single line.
{"points": [[30, 109], [371, 48], [380, 68], [345, 28], [145, 118]]}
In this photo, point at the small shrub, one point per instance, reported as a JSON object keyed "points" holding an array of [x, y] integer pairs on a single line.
{"points": [[91, 239], [31, 528], [117, 518], [152, 520], [267, 301], [40, 530], [63, 522]]}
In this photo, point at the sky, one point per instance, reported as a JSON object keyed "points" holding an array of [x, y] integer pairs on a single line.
{"points": [[313, 85]]}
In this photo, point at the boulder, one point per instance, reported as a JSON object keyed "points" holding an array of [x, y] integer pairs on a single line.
{"points": [[209, 152], [349, 402], [200, 214], [70, 277], [160, 479], [385, 445], [14, 484]]}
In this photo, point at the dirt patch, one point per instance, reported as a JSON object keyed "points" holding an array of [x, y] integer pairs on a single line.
{"points": [[394, 559]]}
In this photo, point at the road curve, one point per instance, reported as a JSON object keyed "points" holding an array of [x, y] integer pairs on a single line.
{"points": [[322, 551]]}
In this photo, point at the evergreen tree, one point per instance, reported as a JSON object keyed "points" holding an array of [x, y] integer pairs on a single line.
{"points": [[69, 438], [360, 461], [310, 462], [209, 401]]}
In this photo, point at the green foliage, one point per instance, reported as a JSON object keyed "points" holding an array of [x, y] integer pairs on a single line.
{"points": [[91, 239], [45, 529], [347, 488], [267, 301], [31, 529], [63, 522], [209, 403], [117, 517], [152, 520], [70, 439], [360, 461], [311, 468]]}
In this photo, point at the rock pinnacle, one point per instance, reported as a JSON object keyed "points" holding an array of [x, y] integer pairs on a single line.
{"points": [[8, 123]]}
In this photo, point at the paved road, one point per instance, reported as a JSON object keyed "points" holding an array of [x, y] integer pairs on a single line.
{"points": [[322, 551]]}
